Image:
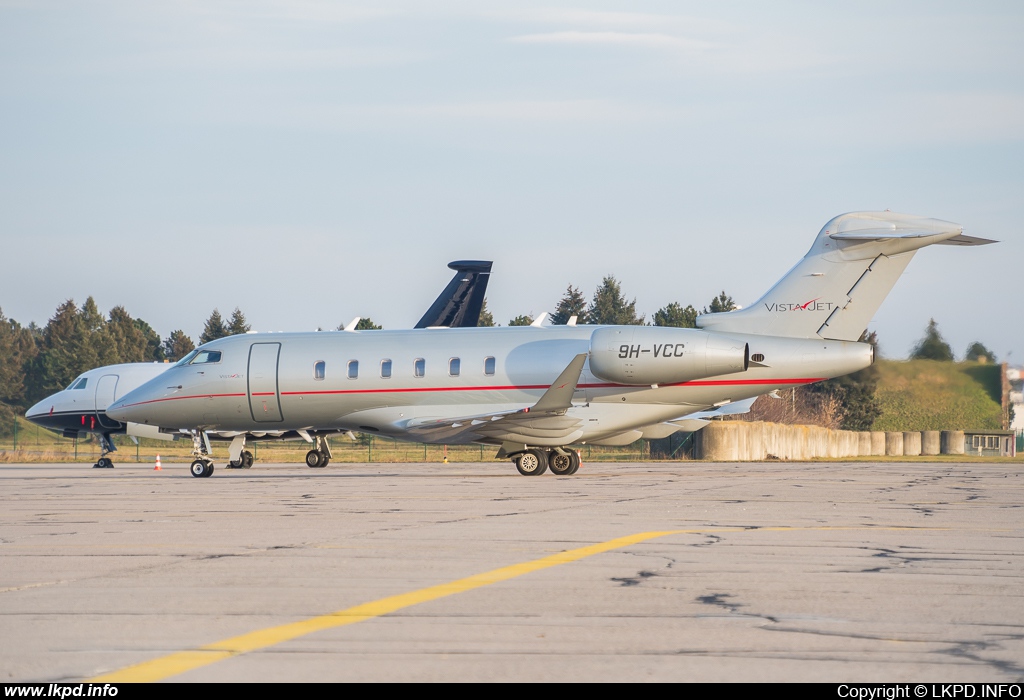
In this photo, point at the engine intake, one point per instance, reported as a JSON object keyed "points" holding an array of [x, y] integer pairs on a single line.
{"points": [[659, 355]]}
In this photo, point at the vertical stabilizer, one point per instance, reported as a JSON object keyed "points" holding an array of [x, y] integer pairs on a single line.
{"points": [[459, 305], [836, 288]]}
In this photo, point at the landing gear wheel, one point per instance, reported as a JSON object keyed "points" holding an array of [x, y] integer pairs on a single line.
{"points": [[576, 461], [532, 462], [563, 463], [247, 460], [201, 468], [240, 464], [103, 463], [325, 459], [314, 460]]}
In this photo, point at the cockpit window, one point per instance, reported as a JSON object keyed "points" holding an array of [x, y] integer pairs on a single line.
{"points": [[206, 357], [187, 359], [78, 383]]}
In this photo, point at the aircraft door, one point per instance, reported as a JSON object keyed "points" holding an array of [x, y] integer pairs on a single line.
{"points": [[105, 389], [264, 393]]}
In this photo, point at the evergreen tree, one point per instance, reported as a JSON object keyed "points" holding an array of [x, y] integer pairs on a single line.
{"points": [[94, 341], [932, 346], [363, 324], [521, 320], [609, 307], [676, 315], [64, 353], [154, 346], [976, 352], [486, 319], [237, 324], [177, 346], [123, 340], [213, 329], [572, 304], [720, 304], [17, 349]]}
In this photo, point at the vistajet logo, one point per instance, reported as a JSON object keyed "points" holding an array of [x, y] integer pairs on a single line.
{"points": [[812, 305]]}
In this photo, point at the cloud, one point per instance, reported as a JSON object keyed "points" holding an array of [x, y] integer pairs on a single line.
{"points": [[646, 40]]}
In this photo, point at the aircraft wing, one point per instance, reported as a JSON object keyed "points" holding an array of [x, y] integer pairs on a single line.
{"points": [[693, 422], [730, 409], [537, 424]]}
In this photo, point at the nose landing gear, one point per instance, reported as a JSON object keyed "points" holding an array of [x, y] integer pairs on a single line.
{"points": [[106, 447], [202, 466]]}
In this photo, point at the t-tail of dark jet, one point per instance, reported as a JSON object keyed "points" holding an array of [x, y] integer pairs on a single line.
{"points": [[836, 288], [460, 303]]}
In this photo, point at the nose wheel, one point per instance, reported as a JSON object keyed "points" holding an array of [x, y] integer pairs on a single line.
{"points": [[201, 468]]}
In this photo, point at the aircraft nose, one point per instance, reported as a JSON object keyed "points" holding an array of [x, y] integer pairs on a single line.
{"points": [[121, 411], [40, 409]]}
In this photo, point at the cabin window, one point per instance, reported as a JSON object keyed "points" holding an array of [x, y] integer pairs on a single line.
{"points": [[206, 357], [385, 369], [489, 366], [319, 370], [454, 365], [79, 383], [353, 369], [419, 367]]}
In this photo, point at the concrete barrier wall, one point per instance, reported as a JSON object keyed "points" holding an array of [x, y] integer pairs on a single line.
{"points": [[877, 443], [951, 442], [894, 444], [742, 441], [911, 444]]}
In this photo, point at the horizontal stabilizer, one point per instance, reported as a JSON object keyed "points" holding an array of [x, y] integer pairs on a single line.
{"points": [[967, 240], [835, 290]]}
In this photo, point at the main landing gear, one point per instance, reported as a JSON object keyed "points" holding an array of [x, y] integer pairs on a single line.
{"points": [[319, 456], [535, 462], [244, 461]]}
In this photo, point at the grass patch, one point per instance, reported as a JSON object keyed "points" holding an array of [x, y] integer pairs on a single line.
{"points": [[933, 395]]}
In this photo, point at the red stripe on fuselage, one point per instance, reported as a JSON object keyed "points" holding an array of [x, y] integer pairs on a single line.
{"points": [[513, 387]]}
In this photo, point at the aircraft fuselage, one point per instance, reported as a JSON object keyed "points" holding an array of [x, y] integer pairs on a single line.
{"points": [[393, 382]]}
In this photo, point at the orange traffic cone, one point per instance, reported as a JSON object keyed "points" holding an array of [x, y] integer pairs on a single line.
{"points": [[158, 468]]}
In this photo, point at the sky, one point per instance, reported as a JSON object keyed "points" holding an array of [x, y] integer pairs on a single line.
{"points": [[309, 162]]}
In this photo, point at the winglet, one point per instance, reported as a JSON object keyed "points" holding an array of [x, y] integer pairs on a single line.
{"points": [[353, 323], [558, 397]]}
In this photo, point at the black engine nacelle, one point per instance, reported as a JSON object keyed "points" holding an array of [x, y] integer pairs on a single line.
{"points": [[661, 355]]}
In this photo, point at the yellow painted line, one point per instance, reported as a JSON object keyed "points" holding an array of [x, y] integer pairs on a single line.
{"points": [[182, 661]]}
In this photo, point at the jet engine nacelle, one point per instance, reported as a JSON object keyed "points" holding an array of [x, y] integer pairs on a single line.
{"points": [[659, 355]]}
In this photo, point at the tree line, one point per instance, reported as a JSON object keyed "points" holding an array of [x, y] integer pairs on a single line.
{"points": [[608, 306], [38, 361]]}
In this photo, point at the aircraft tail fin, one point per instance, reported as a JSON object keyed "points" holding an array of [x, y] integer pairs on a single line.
{"points": [[836, 288], [459, 305]]}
